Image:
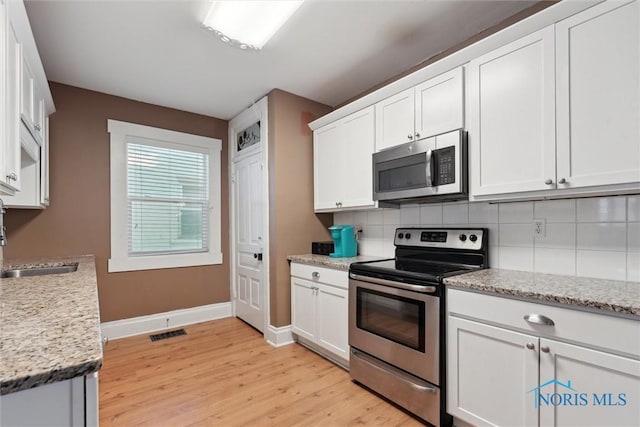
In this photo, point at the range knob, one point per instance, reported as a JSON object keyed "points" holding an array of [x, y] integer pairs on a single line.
{"points": [[400, 235], [463, 237], [473, 237], [407, 236]]}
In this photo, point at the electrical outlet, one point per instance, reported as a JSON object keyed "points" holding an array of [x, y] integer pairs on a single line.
{"points": [[539, 227]]}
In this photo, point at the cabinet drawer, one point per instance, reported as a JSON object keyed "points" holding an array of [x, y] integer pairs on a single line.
{"points": [[595, 330], [329, 276]]}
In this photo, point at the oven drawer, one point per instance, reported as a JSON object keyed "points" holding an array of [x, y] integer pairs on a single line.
{"points": [[592, 329], [313, 273], [412, 393]]}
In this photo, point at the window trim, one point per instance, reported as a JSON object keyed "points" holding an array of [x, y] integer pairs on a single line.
{"points": [[120, 260]]}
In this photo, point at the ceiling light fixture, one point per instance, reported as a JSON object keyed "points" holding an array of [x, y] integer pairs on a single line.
{"points": [[248, 24]]}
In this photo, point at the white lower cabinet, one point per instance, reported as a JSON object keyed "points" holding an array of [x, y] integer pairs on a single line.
{"points": [[319, 310], [71, 403], [504, 371]]}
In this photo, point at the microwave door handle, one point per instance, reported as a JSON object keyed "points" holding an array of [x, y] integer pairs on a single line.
{"points": [[429, 168]]}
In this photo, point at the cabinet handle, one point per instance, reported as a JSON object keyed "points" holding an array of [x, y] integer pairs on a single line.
{"points": [[549, 181], [315, 275], [12, 176], [544, 349], [530, 346], [336, 204], [538, 319], [410, 136], [37, 127], [417, 135], [562, 181]]}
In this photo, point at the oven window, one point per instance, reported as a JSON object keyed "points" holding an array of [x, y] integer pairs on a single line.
{"points": [[395, 318]]}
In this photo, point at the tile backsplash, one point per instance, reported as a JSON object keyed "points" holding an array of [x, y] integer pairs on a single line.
{"points": [[595, 237]]}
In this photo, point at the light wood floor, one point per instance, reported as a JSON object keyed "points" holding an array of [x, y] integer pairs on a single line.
{"points": [[223, 373]]}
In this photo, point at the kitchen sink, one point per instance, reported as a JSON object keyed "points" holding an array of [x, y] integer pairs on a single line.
{"points": [[38, 271]]}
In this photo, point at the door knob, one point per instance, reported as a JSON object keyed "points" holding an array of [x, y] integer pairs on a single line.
{"points": [[258, 256]]}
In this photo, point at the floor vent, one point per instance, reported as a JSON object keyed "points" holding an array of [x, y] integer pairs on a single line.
{"points": [[165, 335]]}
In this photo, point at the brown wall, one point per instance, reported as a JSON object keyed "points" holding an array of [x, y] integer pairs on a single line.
{"points": [[292, 223], [77, 222]]}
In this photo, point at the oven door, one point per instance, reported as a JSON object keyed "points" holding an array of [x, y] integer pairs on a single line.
{"points": [[398, 326]]}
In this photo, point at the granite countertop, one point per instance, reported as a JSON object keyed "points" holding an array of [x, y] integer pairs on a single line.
{"points": [[608, 296], [327, 261], [49, 325]]}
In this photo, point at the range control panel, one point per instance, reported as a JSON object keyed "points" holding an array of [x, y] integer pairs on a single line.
{"points": [[457, 238]]}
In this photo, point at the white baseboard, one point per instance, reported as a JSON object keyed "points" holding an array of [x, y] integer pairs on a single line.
{"points": [[278, 337], [159, 321]]}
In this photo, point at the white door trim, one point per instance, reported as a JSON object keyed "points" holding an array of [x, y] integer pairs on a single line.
{"points": [[256, 111]]}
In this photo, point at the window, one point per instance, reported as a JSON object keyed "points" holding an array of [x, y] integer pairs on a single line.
{"points": [[165, 198]]}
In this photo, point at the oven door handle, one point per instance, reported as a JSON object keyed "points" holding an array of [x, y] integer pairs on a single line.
{"points": [[365, 359], [394, 284]]}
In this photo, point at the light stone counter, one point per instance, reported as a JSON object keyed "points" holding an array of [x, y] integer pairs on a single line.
{"points": [[49, 325], [608, 296], [327, 261]]}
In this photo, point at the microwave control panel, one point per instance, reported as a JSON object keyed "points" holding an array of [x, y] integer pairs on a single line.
{"points": [[445, 166]]}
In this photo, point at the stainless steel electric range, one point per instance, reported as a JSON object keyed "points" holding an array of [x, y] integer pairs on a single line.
{"points": [[396, 316]]}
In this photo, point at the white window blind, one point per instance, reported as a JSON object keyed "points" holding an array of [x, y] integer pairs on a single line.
{"points": [[168, 198]]}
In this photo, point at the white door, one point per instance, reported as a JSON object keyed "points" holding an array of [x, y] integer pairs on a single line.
{"points": [[604, 388], [439, 104], [333, 308], [357, 166], [304, 308], [249, 214], [394, 120], [327, 143], [483, 358], [512, 117], [598, 63]]}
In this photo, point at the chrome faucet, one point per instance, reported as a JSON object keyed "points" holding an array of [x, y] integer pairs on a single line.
{"points": [[3, 229]]}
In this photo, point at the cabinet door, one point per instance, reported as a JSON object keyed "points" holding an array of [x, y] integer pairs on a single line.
{"points": [[326, 176], [11, 157], [303, 308], [357, 150], [512, 117], [44, 164], [603, 389], [439, 104], [27, 104], [395, 120], [333, 324], [489, 371], [598, 64]]}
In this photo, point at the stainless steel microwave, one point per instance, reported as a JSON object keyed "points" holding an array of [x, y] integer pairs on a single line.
{"points": [[431, 169]]}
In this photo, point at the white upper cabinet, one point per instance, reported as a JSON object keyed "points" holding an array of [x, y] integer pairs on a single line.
{"points": [[430, 108], [11, 63], [342, 163], [25, 105], [512, 117], [555, 113], [394, 120], [439, 104], [598, 64]]}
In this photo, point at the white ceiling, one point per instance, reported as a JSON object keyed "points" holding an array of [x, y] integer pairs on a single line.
{"points": [[330, 51]]}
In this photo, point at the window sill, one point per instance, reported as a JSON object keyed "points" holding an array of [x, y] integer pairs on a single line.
{"points": [[163, 261]]}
